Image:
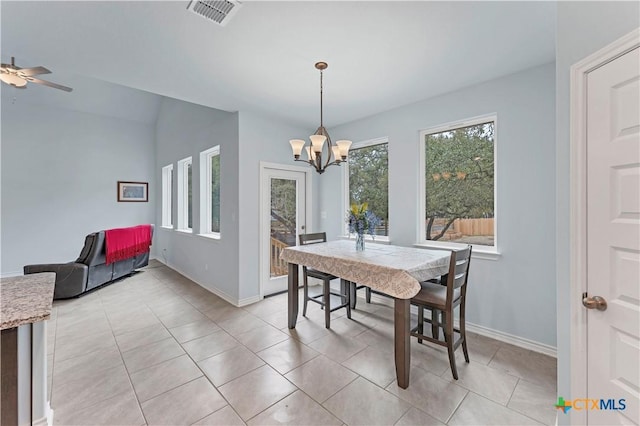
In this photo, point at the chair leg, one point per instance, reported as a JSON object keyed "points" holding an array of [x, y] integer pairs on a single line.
{"points": [[448, 333], [353, 295], [327, 303], [368, 294], [435, 323], [345, 287], [463, 334], [420, 322], [306, 294]]}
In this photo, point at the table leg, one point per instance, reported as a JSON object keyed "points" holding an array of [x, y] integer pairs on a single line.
{"points": [[9, 377], [402, 342], [293, 294]]}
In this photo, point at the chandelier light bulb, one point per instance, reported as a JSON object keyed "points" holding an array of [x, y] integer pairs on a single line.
{"points": [[311, 155], [344, 146], [317, 141], [336, 153], [296, 146]]}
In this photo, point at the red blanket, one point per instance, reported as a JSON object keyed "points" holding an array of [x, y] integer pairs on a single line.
{"points": [[123, 243]]}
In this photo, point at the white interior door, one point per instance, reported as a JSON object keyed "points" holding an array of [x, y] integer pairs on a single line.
{"points": [[613, 239], [284, 216]]}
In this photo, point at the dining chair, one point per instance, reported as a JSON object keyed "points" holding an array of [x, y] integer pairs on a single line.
{"points": [[442, 300], [323, 299]]}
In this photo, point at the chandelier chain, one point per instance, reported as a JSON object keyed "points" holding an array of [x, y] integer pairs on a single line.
{"points": [[321, 125]]}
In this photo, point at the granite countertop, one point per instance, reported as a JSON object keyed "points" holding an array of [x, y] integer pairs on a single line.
{"points": [[26, 299]]}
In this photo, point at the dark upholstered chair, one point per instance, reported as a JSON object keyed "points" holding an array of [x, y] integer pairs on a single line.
{"points": [[441, 300], [323, 299]]}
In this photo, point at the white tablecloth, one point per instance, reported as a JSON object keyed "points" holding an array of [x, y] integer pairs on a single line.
{"points": [[393, 270]]}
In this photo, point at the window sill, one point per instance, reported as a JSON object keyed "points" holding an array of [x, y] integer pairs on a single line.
{"points": [[380, 239], [211, 236], [185, 231], [167, 227], [477, 253]]}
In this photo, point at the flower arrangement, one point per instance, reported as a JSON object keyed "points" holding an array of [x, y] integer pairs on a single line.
{"points": [[361, 220]]}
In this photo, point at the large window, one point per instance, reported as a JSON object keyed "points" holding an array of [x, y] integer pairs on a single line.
{"points": [[185, 198], [167, 195], [367, 179], [459, 183], [210, 192]]}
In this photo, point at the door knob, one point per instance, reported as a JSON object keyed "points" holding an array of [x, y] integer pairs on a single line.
{"points": [[595, 302]]}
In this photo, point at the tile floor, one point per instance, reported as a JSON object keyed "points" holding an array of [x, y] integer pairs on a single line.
{"points": [[155, 348]]}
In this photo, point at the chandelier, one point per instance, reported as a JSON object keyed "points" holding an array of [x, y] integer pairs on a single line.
{"points": [[316, 156]]}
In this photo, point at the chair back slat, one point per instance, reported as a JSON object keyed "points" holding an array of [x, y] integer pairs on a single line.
{"points": [[458, 269], [318, 237]]}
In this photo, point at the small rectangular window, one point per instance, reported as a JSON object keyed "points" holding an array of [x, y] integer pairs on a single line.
{"points": [[210, 191], [185, 198], [460, 183], [367, 178], [167, 195]]}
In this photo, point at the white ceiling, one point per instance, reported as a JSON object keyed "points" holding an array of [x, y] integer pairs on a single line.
{"points": [[381, 54]]}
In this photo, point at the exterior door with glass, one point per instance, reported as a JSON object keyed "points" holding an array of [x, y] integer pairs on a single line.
{"points": [[283, 219]]}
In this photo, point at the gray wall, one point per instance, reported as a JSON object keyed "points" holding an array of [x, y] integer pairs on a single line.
{"points": [[59, 174], [182, 130], [583, 28], [262, 138], [522, 280]]}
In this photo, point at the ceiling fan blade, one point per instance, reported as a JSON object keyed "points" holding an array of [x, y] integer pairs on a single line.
{"points": [[48, 83], [33, 71]]}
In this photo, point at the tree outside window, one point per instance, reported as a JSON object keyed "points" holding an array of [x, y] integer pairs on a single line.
{"points": [[460, 184], [369, 181], [215, 193], [283, 210]]}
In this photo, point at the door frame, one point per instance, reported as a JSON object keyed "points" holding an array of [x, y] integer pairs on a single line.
{"points": [[578, 209], [308, 204]]}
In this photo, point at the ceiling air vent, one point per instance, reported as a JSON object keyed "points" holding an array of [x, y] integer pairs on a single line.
{"points": [[219, 12]]}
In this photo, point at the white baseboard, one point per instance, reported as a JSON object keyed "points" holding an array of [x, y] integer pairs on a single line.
{"points": [[249, 300], [45, 420], [11, 274], [234, 301], [491, 333], [513, 340]]}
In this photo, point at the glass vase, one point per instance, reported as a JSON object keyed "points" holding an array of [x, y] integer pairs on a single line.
{"points": [[359, 242]]}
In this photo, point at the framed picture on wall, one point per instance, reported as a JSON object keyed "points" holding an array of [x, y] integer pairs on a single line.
{"points": [[133, 191]]}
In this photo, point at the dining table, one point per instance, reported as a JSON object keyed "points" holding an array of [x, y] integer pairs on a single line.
{"points": [[393, 270]]}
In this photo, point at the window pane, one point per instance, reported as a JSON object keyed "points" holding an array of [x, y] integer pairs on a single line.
{"points": [[170, 195], [283, 222], [167, 175], [189, 195], [460, 185], [369, 181], [215, 193]]}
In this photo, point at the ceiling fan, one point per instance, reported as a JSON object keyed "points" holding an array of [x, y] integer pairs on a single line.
{"points": [[18, 77]]}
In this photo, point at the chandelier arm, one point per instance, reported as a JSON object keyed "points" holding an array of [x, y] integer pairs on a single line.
{"points": [[329, 151], [304, 161]]}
